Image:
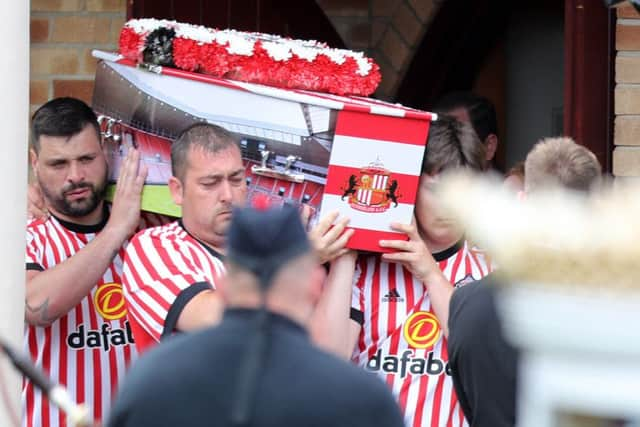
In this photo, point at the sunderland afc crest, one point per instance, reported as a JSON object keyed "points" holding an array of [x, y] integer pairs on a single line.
{"points": [[373, 189]]}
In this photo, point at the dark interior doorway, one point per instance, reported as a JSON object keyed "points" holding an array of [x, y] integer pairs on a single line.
{"points": [[546, 65], [302, 19]]}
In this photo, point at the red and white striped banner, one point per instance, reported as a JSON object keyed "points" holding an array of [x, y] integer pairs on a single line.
{"points": [[373, 174]]}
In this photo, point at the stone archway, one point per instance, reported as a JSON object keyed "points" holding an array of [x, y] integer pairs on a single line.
{"points": [[390, 31], [453, 50]]}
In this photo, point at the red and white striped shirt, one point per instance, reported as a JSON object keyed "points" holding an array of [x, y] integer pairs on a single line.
{"points": [[88, 349], [401, 339], [164, 268]]}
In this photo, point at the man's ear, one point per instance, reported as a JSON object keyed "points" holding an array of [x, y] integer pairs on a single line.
{"points": [[176, 189], [491, 145], [33, 158]]}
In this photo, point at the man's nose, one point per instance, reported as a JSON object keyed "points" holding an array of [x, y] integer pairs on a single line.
{"points": [[226, 194], [75, 173]]}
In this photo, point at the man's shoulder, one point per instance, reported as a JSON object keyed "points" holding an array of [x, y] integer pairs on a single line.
{"points": [[39, 225], [331, 369], [481, 256], [171, 231], [326, 378], [152, 219], [474, 293], [158, 363], [471, 307], [354, 387]]}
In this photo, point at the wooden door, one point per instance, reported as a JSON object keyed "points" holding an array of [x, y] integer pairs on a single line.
{"points": [[588, 82]]}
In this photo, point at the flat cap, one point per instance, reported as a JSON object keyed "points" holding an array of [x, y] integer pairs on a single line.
{"points": [[263, 240]]}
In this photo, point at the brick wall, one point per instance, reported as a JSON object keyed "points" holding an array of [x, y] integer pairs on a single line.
{"points": [[626, 154], [388, 30], [63, 33]]}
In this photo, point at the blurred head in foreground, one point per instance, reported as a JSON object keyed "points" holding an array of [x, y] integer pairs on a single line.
{"points": [[270, 260]]}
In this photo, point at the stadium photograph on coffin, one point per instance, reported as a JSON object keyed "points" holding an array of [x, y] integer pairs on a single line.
{"points": [[141, 109], [357, 155]]}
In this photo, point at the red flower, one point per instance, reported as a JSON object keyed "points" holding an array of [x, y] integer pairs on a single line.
{"points": [[216, 61], [186, 54], [131, 44]]}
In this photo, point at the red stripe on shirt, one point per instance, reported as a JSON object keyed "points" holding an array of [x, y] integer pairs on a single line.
{"points": [[80, 373], [30, 394], [62, 237], [46, 366], [97, 373], [62, 364], [404, 393], [375, 295], [391, 315], [420, 401], [437, 401], [456, 265]]}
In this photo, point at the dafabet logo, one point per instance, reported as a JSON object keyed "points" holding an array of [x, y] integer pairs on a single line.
{"points": [[422, 330], [109, 301]]}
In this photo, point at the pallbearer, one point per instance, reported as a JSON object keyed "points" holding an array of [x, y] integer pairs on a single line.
{"points": [[76, 318], [258, 366], [390, 316]]}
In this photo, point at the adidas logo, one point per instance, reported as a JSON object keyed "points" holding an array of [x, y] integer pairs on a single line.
{"points": [[393, 295]]}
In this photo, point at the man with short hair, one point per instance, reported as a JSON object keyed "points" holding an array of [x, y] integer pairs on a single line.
{"points": [[477, 110], [258, 367], [76, 326], [560, 162], [171, 272], [483, 364], [390, 316]]}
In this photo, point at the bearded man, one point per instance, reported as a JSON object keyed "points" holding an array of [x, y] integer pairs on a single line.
{"points": [[76, 327]]}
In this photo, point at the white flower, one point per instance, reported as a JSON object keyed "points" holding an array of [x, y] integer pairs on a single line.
{"points": [[243, 43]]}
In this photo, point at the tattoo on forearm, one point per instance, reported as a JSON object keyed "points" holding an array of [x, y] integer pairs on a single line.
{"points": [[42, 309]]}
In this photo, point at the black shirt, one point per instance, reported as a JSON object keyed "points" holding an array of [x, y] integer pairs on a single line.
{"points": [[190, 380], [483, 365]]}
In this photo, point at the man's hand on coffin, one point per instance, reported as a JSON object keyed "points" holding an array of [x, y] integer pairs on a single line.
{"points": [[36, 207], [413, 253], [125, 209], [329, 239]]}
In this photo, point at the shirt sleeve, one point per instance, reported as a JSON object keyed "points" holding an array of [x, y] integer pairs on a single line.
{"points": [[34, 251], [160, 277], [357, 294]]}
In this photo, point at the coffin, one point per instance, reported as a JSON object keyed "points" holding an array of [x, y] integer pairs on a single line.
{"points": [[359, 156]]}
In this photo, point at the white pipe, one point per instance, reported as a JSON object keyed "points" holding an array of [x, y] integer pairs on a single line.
{"points": [[14, 122]]}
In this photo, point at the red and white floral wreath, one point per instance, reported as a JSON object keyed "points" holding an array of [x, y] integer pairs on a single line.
{"points": [[251, 57]]}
